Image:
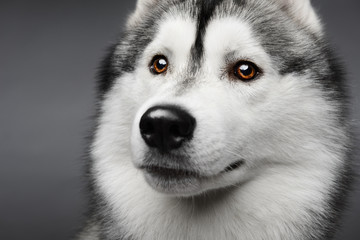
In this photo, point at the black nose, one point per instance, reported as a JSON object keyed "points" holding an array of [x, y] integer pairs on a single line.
{"points": [[166, 127]]}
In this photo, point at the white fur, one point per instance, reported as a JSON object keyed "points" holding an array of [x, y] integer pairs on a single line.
{"points": [[273, 123]]}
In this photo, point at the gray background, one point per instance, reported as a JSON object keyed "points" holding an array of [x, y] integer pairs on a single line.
{"points": [[49, 52]]}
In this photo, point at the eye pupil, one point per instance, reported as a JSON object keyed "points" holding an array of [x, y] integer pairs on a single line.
{"points": [[161, 64], [245, 69]]}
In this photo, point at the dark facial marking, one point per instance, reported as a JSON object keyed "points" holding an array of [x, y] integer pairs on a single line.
{"points": [[207, 8]]}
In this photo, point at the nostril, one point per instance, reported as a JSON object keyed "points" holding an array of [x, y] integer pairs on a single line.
{"points": [[174, 130], [182, 128], [146, 126]]}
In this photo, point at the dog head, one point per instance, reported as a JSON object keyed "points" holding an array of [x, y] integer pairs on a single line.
{"points": [[202, 95]]}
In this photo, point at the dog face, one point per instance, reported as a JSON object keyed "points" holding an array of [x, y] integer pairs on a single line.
{"points": [[210, 95]]}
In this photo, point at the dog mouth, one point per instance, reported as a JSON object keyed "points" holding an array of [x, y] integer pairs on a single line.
{"points": [[233, 166], [171, 173], [178, 173], [181, 181]]}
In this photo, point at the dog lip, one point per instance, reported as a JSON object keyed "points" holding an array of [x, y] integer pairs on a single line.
{"points": [[169, 172], [179, 173], [233, 166]]}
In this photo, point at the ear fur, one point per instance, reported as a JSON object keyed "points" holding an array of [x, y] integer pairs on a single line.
{"points": [[303, 12], [141, 7]]}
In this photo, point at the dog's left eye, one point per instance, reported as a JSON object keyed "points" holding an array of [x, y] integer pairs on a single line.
{"points": [[246, 71], [159, 64]]}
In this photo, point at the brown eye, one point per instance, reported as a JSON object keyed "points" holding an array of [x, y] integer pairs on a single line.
{"points": [[246, 71], [159, 64]]}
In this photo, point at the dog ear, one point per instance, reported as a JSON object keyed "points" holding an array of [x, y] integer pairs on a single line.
{"points": [[303, 12], [141, 7]]}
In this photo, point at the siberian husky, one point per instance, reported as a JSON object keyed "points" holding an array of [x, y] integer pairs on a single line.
{"points": [[219, 119]]}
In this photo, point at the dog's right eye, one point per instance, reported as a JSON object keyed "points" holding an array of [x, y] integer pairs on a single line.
{"points": [[159, 64]]}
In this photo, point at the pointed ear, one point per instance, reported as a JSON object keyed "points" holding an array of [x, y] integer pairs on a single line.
{"points": [[141, 7], [303, 12]]}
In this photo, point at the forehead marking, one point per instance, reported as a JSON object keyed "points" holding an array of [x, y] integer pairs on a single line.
{"points": [[207, 9]]}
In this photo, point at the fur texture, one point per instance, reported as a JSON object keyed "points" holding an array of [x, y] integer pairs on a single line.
{"points": [[269, 156]]}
